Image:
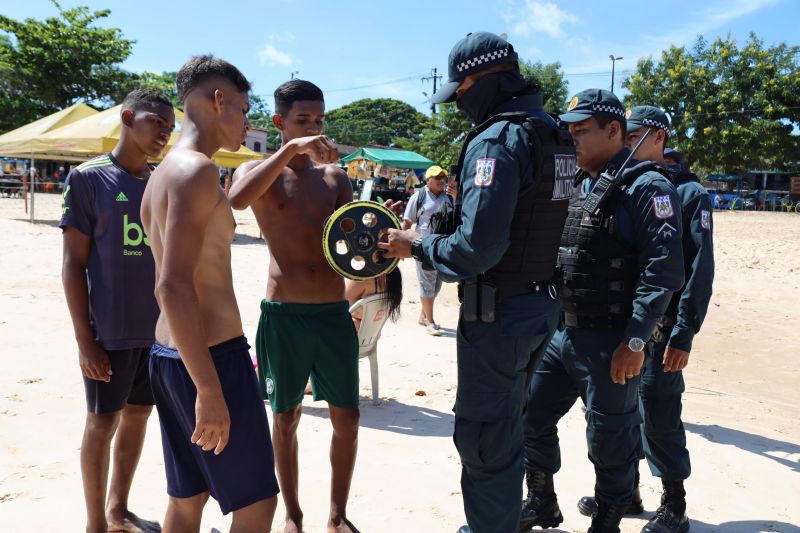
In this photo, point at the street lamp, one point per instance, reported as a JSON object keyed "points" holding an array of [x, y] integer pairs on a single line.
{"points": [[613, 63], [298, 72]]}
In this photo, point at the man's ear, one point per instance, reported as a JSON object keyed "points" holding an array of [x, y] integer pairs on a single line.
{"points": [[219, 99], [127, 117], [277, 120], [614, 129]]}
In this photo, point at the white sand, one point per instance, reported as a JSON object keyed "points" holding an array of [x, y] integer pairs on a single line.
{"points": [[741, 405]]}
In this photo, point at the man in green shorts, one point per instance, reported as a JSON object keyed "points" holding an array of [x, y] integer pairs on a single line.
{"points": [[305, 327]]}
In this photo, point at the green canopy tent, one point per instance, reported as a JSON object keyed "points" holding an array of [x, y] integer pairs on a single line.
{"points": [[390, 158]]}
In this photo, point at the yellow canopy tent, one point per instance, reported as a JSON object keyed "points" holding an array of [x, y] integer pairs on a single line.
{"points": [[18, 141], [99, 133]]}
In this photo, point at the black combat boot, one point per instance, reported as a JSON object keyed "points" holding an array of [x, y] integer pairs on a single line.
{"points": [[588, 505], [671, 516], [540, 508], [607, 518]]}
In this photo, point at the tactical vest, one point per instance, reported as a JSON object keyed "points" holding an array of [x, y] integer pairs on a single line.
{"points": [[599, 270], [540, 211]]}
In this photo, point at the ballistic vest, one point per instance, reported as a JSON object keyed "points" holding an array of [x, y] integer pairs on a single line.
{"points": [[540, 211], [599, 270]]}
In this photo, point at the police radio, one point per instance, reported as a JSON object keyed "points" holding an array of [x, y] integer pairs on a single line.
{"points": [[607, 183]]}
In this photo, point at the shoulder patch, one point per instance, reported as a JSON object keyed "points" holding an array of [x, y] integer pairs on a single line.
{"points": [[663, 206], [705, 219], [484, 172]]}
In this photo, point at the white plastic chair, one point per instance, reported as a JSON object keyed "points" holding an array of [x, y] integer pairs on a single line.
{"points": [[375, 309]]}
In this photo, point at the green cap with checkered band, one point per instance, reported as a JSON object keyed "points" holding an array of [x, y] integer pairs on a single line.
{"points": [[593, 102], [647, 116]]}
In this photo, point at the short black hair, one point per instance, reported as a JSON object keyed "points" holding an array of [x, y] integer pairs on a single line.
{"points": [[294, 91], [604, 120], [201, 68], [139, 98]]}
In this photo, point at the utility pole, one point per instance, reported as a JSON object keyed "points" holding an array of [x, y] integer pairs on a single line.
{"points": [[614, 60], [295, 72], [433, 77]]}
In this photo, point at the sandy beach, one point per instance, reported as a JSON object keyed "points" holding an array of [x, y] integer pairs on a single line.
{"points": [[741, 407]]}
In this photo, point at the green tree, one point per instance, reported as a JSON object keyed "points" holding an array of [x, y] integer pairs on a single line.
{"points": [[46, 65], [552, 84], [441, 140], [374, 121], [733, 108], [163, 83], [260, 116]]}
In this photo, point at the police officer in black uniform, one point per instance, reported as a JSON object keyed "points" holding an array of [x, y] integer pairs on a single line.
{"points": [[663, 436], [621, 260], [515, 175]]}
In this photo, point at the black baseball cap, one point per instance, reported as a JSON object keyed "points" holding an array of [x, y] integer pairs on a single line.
{"points": [[592, 102], [474, 53]]}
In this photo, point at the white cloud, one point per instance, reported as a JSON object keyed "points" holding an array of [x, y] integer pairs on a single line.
{"points": [[590, 53], [271, 56], [537, 16]]}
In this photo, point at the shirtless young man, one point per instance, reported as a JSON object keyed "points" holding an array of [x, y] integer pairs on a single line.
{"points": [[305, 327], [214, 427]]}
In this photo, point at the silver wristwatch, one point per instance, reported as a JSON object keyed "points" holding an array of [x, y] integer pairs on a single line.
{"points": [[635, 344]]}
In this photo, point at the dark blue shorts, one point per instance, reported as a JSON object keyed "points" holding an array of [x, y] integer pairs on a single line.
{"points": [[244, 473], [129, 383]]}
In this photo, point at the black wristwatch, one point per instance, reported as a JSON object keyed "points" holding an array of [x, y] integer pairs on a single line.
{"points": [[416, 250]]}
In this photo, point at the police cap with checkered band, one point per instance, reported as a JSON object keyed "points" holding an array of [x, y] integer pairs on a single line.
{"points": [[474, 53], [647, 116], [593, 102]]}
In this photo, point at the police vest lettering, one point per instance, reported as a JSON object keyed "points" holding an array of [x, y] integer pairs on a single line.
{"points": [[133, 235], [599, 270]]}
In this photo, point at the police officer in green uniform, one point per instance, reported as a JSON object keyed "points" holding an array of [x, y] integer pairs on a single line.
{"points": [[515, 175], [663, 437], [621, 260]]}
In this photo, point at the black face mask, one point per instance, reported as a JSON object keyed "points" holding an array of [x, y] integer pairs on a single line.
{"points": [[489, 92]]}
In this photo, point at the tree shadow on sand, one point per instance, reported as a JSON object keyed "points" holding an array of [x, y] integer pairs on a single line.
{"points": [[743, 526], [397, 417], [757, 444], [242, 238], [45, 221]]}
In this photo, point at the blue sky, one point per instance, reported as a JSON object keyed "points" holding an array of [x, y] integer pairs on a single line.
{"points": [[358, 49]]}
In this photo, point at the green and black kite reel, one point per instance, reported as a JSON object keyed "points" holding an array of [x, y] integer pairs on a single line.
{"points": [[351, 236]]}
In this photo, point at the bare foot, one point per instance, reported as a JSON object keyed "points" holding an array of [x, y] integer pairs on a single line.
{"points": [[130, 523], [292, 526], [341, 525]]}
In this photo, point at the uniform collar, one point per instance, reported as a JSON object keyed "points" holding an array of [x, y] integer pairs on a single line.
{"points": [[524, 102]]}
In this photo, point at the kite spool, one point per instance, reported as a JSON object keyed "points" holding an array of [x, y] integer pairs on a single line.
{"points": [[350, 240]]}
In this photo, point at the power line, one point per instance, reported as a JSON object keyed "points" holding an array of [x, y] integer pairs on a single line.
{"points": [[377, 84]]}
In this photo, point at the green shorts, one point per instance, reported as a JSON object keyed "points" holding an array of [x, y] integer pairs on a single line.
{"points": [[295, 341]]}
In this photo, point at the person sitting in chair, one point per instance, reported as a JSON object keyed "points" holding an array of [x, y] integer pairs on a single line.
{"points": [[391, 285]]}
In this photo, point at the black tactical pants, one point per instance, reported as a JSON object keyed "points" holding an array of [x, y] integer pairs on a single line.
{"points": [[577, 363], [494, 360]]}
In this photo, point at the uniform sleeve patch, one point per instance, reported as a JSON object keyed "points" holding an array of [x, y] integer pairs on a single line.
{"points": [[663, 206], [484, 172], [705, 219], [666, 232]]}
